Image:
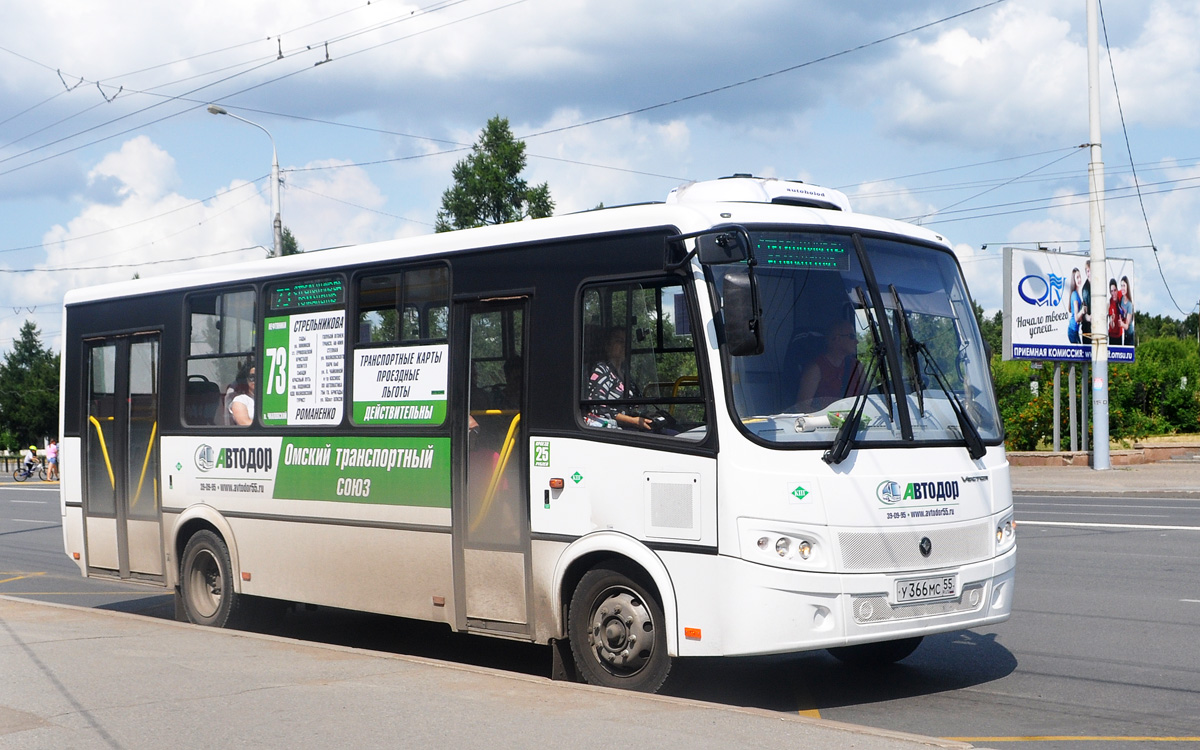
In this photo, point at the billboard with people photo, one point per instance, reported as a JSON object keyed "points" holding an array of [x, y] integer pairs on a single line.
{"points": [[1048, 310]]}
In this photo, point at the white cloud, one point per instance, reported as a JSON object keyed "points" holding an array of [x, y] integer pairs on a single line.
{"points": [[333, 207], [150, 223], [1024, 79]]}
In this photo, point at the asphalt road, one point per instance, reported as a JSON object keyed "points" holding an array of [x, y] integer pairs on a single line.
{"points": [[1100, 652]]}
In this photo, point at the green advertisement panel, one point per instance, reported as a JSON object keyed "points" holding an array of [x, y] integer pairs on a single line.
{"points": [[375, 470], [273, 388], [413, 412], [304, 368]]}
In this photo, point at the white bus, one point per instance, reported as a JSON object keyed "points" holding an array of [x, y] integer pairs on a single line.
{"points": [[743, 421]]}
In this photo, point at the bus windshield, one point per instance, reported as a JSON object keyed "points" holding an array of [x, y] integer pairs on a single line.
{"points": [[899, 338]]}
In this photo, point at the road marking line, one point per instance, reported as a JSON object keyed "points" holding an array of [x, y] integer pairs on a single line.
{"points": [[36, 502], [1084, 524], [30, 520], [19, 576], [811, 713], [1191, 601], [1080, 513], [1074, 738]]}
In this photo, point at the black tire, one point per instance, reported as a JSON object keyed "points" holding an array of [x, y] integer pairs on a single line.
{"points": [[617, 630], [877, 654], [206, 581], [42, 473], [19, 475]]}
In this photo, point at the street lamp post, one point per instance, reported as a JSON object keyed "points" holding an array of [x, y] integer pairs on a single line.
{"points": [[278, 222]]}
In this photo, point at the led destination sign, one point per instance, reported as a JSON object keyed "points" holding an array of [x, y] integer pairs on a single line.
{"points": [[796, 251], [308, 293]]}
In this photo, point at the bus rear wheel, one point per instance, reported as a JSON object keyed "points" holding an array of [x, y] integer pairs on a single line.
{"points": [[616, 628], [876, 654], [206, 580]]}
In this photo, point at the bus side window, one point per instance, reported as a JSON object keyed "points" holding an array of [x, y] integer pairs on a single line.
{"points": [[404, 306], [403, 316], [639, 370], [221, 355]]}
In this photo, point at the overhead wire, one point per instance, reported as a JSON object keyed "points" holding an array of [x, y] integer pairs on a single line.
{"points": [[1084, 201], [161, 261], [168, 212], [764, 76], [918, 219], [681, 99], [261, 63], [1129, 150]]}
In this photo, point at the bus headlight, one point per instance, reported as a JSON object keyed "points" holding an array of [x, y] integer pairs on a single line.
{"points": [[1006, 534], [792, 549], [783, 544]]}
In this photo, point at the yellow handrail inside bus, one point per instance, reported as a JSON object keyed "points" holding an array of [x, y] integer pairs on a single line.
{"points": [[104, 450], [497, 471], [683, 381], [145, 463]]}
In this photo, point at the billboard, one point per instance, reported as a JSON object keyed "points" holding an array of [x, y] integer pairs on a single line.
{"points": [[1047, 306]]}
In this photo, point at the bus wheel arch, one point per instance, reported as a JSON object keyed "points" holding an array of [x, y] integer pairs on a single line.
{"points": [[625, 573], [616, 628], [208, 589], [206, 580]]}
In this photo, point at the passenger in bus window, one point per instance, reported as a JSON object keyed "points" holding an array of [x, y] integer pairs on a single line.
{"points": [[608, 382], [241, 406], [834, 373]]}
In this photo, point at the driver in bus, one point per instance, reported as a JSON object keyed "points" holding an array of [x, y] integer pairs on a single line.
{"points": [[608, 382], [834, 373]]}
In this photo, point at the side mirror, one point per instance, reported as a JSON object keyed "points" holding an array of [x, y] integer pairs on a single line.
{"points": [[740, 311], [722, 247]]}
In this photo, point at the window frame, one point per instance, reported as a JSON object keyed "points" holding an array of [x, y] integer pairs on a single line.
{"points": [[427, 310], [581, 368], [251, 355]]}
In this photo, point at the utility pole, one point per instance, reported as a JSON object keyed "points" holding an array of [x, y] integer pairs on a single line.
{"points": [[1099, 265]]}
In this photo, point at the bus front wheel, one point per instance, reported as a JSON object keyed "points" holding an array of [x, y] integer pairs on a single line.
{"points": [[616, 628], [876, 654], [206, 580]]}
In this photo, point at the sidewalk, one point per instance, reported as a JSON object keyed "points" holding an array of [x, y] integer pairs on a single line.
{"points": [[77, 677]]}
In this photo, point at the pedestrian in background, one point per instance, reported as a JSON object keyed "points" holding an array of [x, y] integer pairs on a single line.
{"points": [[52, 460]]}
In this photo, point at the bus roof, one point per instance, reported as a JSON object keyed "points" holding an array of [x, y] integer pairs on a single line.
{"points": [[688, 209]]}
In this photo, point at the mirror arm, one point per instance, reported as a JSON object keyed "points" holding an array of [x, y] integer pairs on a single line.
{"points": [[670, 265]]}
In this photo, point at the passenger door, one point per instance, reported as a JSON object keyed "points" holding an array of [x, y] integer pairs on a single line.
{"points": [[121, 494], [491, 498]]}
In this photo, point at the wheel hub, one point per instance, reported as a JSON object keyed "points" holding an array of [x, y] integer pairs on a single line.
{"points": [[622, 632]]}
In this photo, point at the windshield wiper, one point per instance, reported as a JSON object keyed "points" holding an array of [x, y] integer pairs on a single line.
{"points": [[845, 437], [910, 350], [975, 446], [849, 428]]}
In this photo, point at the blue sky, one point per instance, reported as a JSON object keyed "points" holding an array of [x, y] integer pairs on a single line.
{"points": [[965, 115]]}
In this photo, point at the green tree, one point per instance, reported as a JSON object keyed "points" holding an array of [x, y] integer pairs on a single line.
{"points": [[290, 245], [29, 389], [991, 329], [487, 186]]}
